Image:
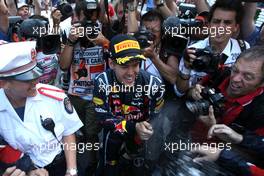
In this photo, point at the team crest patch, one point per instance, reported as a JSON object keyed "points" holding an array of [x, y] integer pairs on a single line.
{"points": [[68, 106]]}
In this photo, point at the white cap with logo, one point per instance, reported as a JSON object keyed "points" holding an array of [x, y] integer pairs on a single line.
{"points": [[19, 61]]}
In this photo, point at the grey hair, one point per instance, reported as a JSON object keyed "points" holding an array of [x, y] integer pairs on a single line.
{"points": [[255, 53]]}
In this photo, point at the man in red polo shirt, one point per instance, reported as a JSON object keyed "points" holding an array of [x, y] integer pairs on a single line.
{"points": [[243, 117]]}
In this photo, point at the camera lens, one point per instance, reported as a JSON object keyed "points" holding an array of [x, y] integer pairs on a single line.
{"points": [[91, 29], [199, 107]]}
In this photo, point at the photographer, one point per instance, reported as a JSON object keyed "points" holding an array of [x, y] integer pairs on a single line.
{"points": [[243, 100], [166, 65], [37, 29], [83, 57], [231, 160], [224, 19]]}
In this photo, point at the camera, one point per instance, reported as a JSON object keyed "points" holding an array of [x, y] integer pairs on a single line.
{"points": [[29, 2], [65, 9], [91, 29], [189, 9], [210, 97], [144, 37], [191, 22], [38, 29], [206, 61], [172, 41]]}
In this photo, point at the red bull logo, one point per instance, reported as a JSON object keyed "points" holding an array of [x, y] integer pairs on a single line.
{"points": [[128, 109]]}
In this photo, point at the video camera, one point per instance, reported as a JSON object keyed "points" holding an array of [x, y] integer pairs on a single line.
{"points": [[144, 37], [210, 97]]}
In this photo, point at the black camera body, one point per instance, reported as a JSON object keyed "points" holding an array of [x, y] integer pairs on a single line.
{"points": [[210, 97], [38, 29], [144, 37], [91, 29], [173, 42], [191, 22], [206, 61], [65, 9]]}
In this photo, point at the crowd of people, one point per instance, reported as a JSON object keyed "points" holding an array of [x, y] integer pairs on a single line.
{"points": [[109, 88]]}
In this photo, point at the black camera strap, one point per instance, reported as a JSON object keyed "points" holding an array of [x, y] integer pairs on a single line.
{"points": [[142, 5]]}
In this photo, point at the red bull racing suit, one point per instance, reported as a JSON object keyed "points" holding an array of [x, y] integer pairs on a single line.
{"points": [[118, 109]]}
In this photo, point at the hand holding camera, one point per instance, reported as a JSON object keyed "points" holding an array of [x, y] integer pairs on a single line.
{"points": [[75, 33], [209, 120], [202, 60], [100, 40], [195, 92], [204, 108], [56, 16], [150, 52], [189, 57]]}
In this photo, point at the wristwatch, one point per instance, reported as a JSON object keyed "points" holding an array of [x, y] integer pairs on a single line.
{"points": [[72, 171]]}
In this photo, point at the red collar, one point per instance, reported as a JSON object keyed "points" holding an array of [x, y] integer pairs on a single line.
{"points": [[244, 100]]}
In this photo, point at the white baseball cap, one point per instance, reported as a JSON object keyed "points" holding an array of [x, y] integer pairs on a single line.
{"points": [[21, 4]]}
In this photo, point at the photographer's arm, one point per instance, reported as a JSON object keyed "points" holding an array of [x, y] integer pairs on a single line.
{"points": [[67, 53], [102, 16], [247, 25], [169, 69], [182, 83], [4, 22], [184, 74], [163, 9], [201, 6], [12, 10], [132, 22], [66, 57], [37, 9], [56, 18], [173, 7]]}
